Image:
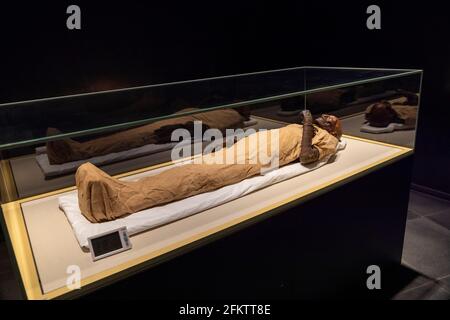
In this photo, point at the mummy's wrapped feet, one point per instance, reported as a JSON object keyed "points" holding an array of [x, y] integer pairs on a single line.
{"points": [[60, 151], [101, 197]]}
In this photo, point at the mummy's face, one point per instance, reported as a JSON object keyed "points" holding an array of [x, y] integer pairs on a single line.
{"points": [[330, 123]]}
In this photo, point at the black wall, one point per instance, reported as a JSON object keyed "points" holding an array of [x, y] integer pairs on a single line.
{"points": [[138, 42]]}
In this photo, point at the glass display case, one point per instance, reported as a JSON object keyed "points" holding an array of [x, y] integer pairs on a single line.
{"points": [[132, 134]]}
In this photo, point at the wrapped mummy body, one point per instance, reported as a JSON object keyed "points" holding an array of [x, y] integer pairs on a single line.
{"points": [[402, 110], [103, 198]]}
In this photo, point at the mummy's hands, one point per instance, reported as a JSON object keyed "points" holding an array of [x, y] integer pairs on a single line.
{"points": [[308, 153]]}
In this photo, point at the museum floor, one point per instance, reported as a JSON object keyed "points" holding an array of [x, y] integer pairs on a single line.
{"points": [[424, 275]]}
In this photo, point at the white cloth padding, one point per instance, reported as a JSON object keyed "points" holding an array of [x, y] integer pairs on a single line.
{"points": [[55, 170], [158, 216], [390, 128]]}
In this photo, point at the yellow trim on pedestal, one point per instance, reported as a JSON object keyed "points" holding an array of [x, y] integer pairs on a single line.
{"points": [[16, 227], [8, 191]]}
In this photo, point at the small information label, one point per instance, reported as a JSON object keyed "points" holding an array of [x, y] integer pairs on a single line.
{"points": [[109, 243]]}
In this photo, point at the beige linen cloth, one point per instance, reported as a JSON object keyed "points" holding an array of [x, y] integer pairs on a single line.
{"points": [[103, 198]]}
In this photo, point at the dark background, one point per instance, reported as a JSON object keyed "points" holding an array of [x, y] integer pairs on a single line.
{"points": [[136, 42]]}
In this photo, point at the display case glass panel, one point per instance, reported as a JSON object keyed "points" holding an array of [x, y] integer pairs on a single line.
{"points": [[128, 134], [277, 95]]}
